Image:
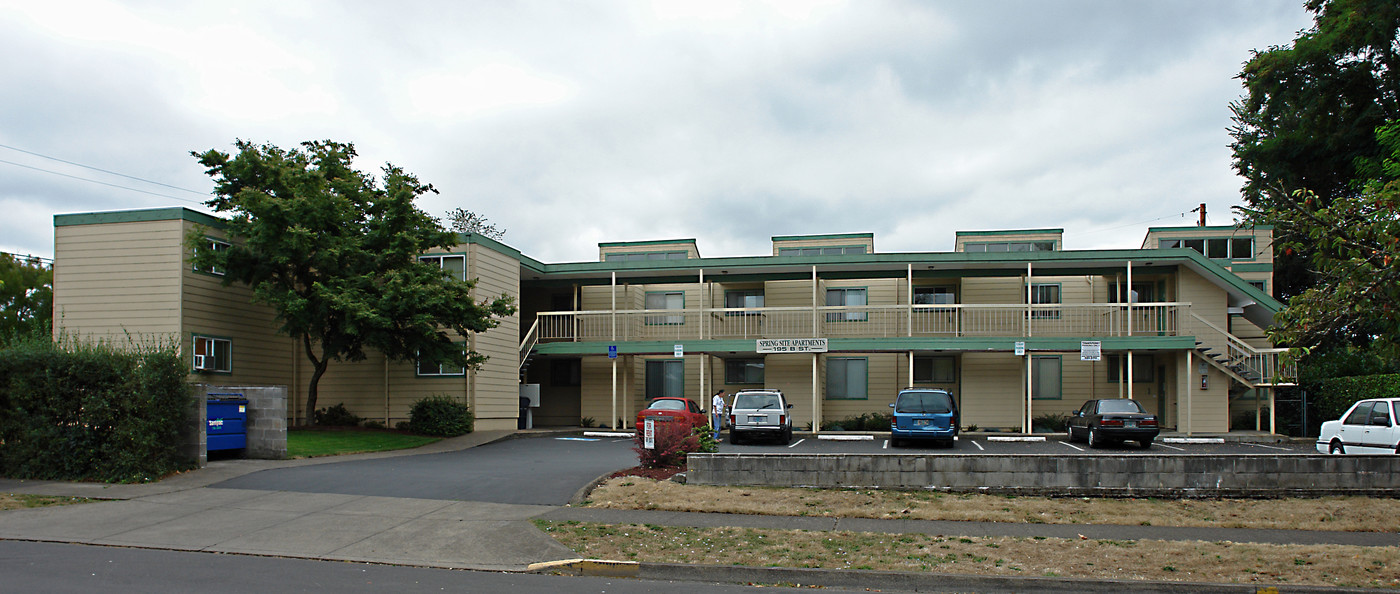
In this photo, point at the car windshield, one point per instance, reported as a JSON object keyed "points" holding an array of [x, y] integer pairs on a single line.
{"points": [[758, 400], [1119, 406], [924, 402], [667, 405]]}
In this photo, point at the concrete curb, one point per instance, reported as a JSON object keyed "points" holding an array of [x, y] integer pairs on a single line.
{"points": [[582, 494], [894, 580]]}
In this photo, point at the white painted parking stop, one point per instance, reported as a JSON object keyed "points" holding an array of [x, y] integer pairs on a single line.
{"points": [[1193, 440], [1017, 438], [847, 437], [609, 434]]}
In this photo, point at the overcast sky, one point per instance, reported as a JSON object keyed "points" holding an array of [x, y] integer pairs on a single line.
{"points": [[572, 123]]}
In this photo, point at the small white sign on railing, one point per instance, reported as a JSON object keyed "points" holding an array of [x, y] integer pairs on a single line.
{"points": [[791, 345]]}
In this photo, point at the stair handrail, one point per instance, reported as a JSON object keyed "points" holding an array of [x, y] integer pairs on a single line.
{"points": [[1238, 351], [532, 337]]}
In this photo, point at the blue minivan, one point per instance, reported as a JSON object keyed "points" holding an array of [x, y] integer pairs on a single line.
{"points": [[924, 413]]}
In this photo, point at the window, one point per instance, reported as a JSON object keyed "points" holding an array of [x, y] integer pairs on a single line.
{"points": [[1045, 377], [935, 370], [746, 299], [1009, 246], [645, 256], [455, 266], [934, 296], [665, 378], [431, 368], [743, 371], [1261, 285], [848, 298], [215, 246], [1223, 248], [821, 251], [213, 354], [1360, 415], [1043, 295], [1143, 293], [1143, 366], [846, 378], [665, 300]]}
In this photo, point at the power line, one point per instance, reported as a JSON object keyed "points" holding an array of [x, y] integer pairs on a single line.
{"points": [[102, 182], [131, 177], [1179, 214], [27, 257]]}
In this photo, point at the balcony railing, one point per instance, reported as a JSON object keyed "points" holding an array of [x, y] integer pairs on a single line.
{"points": [[866, 321]]}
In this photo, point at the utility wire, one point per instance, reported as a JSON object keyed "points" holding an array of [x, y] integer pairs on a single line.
{"points": [[1180, 214], [105, 183], [131, 177], [27, 257]]}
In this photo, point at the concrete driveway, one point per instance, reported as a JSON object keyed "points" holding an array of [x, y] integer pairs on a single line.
{"points": [[541, 471]]}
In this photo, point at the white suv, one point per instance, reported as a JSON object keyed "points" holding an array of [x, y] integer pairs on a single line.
{"points": [[760, 412]]}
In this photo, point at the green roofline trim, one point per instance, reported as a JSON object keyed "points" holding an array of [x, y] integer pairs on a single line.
{"points": [[1010, 232], [690, 241], [826, 236], [175, 213], [1210, 228]]}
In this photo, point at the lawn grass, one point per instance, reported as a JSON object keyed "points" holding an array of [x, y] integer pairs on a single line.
{"points": [[21, 501], [305, 443], [1190, 561]]}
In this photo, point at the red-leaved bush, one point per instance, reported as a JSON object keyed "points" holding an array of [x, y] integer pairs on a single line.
{"points": [[673, 441]]}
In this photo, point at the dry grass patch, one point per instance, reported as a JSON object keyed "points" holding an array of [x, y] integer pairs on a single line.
{"points": [[20, 501], [1192, 561], [1351, 514]]}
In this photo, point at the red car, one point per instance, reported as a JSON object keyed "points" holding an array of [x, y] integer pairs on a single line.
{"points": [[673, 410]]}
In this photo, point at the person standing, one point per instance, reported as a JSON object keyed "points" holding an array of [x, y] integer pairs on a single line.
{"points": [[717, 413]]}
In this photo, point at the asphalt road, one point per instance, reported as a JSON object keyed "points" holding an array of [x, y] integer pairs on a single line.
{"points": [[541, 471], [49, 567]]}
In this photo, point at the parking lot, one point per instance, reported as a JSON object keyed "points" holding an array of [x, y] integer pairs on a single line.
{"points": [[1012, 445]]}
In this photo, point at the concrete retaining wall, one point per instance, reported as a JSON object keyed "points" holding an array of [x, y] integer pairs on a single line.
{"points": [[266, 426], [1110, 475]]}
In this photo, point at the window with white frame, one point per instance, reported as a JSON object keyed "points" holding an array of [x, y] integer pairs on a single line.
{"points": [[665, 378], [215, 246], [821, 251], [849, 297], [645, 256], [212, 354], [935, 296], [1009, 246], [935, 370], [454, 266], [846, 378], [1220, 248], [743, 371], [1045, 294], [665, 300], [1045, 377]]}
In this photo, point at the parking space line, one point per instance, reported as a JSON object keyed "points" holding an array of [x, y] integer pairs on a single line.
{"points": [[1171, 447], [1267, 446], [979, 446], [886, 446], [1072, 445], [798, 441]]}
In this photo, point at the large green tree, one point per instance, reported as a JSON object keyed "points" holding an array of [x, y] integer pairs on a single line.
{"points": [[26, 296], [335, 252], [1309, 118]]}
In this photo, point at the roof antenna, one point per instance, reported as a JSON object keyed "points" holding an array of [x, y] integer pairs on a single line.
{"points": [[1201, 209]]}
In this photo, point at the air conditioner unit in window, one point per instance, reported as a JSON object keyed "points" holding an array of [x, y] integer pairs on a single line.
{"points": [[200, 362]]}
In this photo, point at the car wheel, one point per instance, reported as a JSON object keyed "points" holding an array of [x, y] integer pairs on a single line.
{"points": [[948, 443], [1336, 447], [1072, 437], [1095, 441], [894, 442], [1145, 444], [733, 437], [787, 436]]}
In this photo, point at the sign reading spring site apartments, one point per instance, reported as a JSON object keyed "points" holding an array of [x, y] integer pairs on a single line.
{"points": [[791, 345]]}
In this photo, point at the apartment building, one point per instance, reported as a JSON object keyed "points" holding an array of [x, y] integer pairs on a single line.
{"points": [[1011, 323]]}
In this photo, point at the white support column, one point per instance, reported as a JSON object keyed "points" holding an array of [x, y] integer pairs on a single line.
{"points": [[613, 420], [1028, 301], [909, 321], [704, 392], [1130, 300], [613, 314], [815, 332], [816, 413], [703, 306], [1130, 374], [1190, 379], [1026, 416], [911, 369], [1273, 414]]}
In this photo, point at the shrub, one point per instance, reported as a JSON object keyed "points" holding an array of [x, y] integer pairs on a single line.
{"points": [[863, 422], [672, 443], [1054, 423], [1339, 393], [706, 437], [75, 411], [337, 416], [440, 416]]}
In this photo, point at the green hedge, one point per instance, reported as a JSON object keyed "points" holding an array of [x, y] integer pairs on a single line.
{"points": [[440, 416], [1339, 393], [91, 412]]}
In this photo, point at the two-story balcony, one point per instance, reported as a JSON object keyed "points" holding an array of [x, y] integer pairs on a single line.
{"points": [[865, 321]]}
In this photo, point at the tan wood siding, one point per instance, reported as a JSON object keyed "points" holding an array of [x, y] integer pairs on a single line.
{"points": [[867, 242], [993, 390], [119, 280]]}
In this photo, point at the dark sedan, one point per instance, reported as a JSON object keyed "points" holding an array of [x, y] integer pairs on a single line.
{"points": [[682, 411], [1101, 422]]}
